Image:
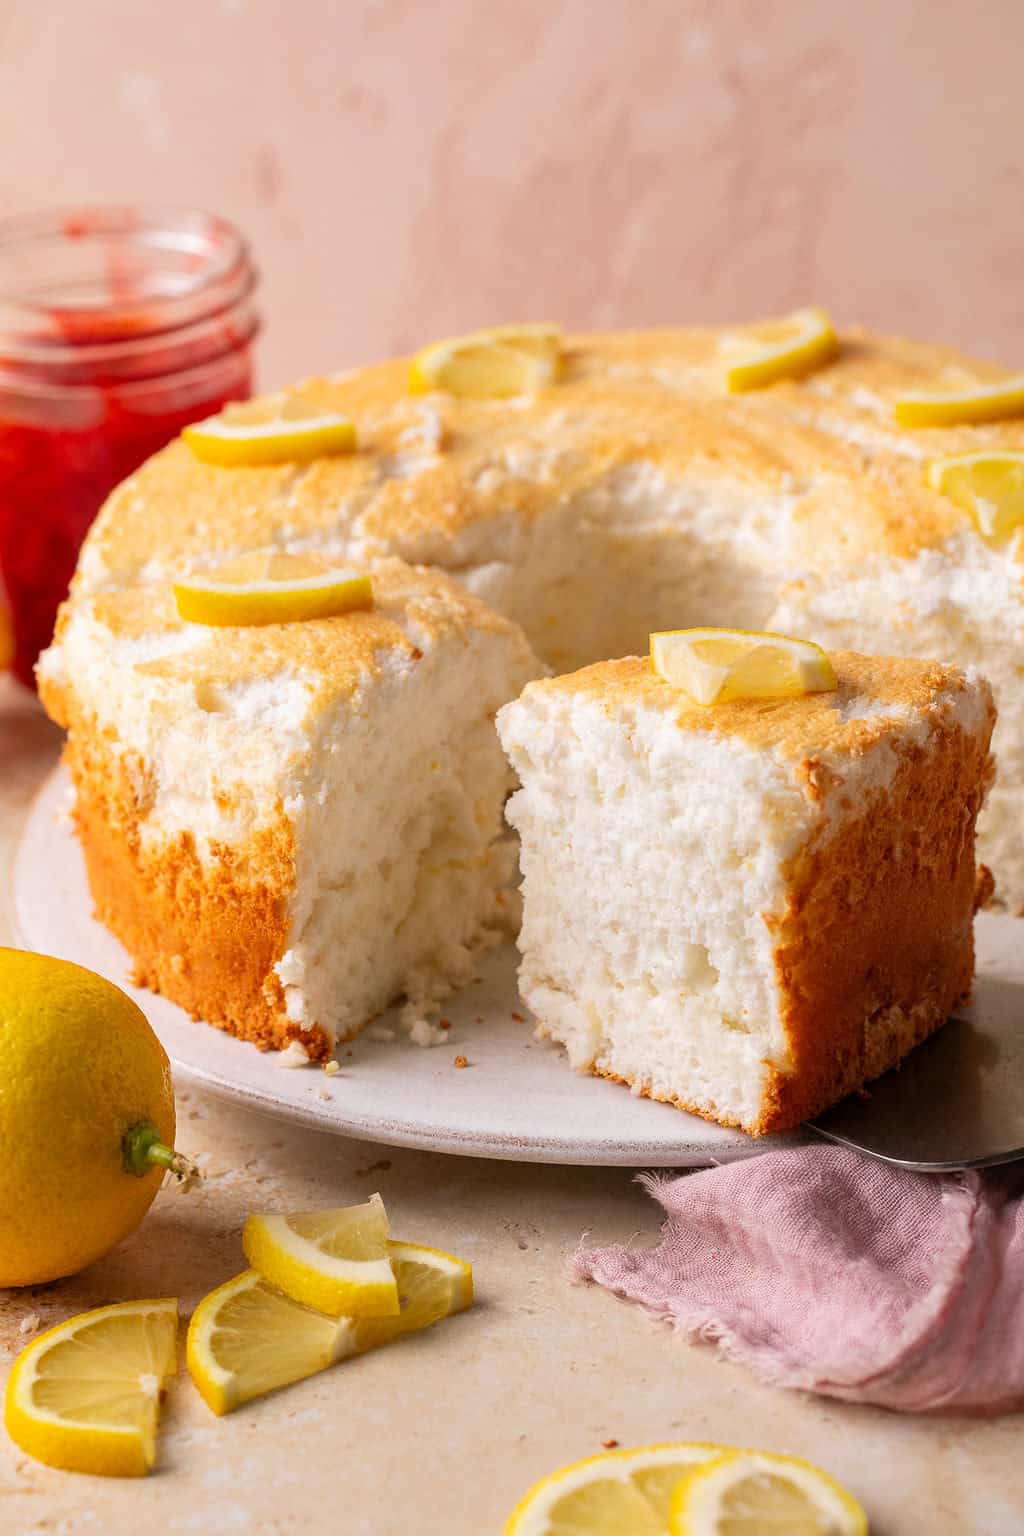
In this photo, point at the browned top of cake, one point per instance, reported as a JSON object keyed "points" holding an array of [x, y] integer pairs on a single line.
{"points": [[432, 468], [876, 697]]}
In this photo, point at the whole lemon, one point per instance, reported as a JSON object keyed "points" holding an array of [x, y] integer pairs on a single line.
{"points": [[86, 1117]]}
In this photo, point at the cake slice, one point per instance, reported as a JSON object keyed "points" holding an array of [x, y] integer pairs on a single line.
{"points": [[292, 825], [751, 909]]}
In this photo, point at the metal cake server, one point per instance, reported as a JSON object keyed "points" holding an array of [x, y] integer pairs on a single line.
{"points": [[958, 1099]]}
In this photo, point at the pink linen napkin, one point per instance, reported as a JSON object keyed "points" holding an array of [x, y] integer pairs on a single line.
{"points": [[825, 1270]]}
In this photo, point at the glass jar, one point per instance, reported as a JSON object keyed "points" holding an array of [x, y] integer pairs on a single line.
{"points": [[118, 326]]}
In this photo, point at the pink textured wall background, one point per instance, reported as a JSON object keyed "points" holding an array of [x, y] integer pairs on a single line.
{"points": [[406, 168]]}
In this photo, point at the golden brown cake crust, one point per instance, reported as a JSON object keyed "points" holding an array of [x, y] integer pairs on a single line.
{"points": [[876, 946], [205, 936]]}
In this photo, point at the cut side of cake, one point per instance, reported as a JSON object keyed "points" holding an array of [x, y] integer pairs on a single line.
{"points": [[748, 910], [292, 825], [633, 492]]}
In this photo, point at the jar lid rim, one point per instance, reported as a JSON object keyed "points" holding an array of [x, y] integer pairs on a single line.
{"points": [[208, 269]]}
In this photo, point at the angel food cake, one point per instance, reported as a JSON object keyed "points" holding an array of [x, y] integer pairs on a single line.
{"points": [[751, 909], [628, 488], [291, 825]]}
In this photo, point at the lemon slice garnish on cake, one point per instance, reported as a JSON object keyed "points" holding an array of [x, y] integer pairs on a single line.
{"points": [[271, 589], [962, 407], [622, 1493], [753, 1493], [282, 441], [336, 1261], [85, 1396], [987, 486], [492, 364], [247, 1338], [716, 666], [782, 349]]}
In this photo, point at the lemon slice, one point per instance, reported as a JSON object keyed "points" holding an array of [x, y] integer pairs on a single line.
{"points": [[246, 1338], [492, 364], [271, 589], [234, 443], [715, 666], [784, 349], [988, 486], [622, 1493], [983, 402], [85, 1396], [431, 1285], [336, 1261], [752, 1493]]}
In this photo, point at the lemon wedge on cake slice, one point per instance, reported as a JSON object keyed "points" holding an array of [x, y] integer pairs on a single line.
{"points": [[247, 1338], [753, 1493], [716, 666], [968, 406], [782, 349], [622, 1493], [271, 589], [336, 1261], [491, 364], [988, 486], [244, 443], [85, 1396]]}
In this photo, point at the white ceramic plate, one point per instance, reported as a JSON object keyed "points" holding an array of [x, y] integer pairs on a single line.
{"points": [[518, 1099]]}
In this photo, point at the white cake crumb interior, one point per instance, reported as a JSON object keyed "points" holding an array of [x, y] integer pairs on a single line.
{"points": [[644, 947], [652, 857], [402, 860]]}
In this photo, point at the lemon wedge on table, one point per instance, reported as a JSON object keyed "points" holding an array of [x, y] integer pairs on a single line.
{"points": [[783, 349], [752, 1493], [85, 1396], [238, 443], [336, 1261], [622, 1493], [988, 486], [247, 1338], [491, 364], [716, 666], [271, 589], [969, 406]]}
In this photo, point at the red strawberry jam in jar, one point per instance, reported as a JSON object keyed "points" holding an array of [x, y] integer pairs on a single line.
{"points": [[118, 326]]}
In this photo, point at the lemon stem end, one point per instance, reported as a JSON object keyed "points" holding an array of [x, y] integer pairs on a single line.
{"points": [[144, 1150]]}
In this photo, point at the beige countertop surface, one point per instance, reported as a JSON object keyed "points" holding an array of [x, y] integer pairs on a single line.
{"points": [[443, 1432]]}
